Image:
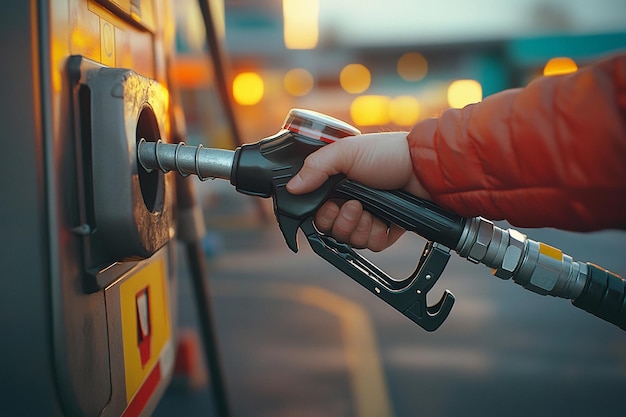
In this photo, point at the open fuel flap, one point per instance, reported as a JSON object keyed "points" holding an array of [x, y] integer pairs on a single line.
{"points": [[128, 212]]}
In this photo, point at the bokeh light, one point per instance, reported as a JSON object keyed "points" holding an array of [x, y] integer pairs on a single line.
{"points": [[298, 82], [300, 22], [404, 110], [412, 66], [464, 92], [355, 78], [559, 66], [370, 110], [248, 88]]}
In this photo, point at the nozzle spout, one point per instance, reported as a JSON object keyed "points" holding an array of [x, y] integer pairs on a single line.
{"points": [[206, 163]]}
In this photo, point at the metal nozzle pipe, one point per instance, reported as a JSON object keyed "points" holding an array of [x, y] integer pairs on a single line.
{"points": [[206, 163]]}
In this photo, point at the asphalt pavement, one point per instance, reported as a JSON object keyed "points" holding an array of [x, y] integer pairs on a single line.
{"points": [[299, 338]]}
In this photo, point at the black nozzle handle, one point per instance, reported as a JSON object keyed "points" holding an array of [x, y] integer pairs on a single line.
{"points": [[407, 211], [604, 296]]}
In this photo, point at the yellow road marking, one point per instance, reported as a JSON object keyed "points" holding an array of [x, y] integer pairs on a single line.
{"points": [[367, 380]]}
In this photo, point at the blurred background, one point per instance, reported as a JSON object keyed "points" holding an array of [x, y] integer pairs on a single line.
{"points": [[300, 339], [385, 64]]}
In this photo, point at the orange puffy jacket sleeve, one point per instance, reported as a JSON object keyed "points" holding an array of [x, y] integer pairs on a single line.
{"points": [[552, 154]]}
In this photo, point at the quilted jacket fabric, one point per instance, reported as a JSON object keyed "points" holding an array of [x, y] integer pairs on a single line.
{"points": [[552, 154]]}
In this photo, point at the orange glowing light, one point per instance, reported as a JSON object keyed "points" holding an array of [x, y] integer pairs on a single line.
{"points": [[560, 66], [412, 66], [355, 78], [298, 82], [404, 110], [248, 88], [464, 92], [300, 22], [191, 71], [370, 110]]}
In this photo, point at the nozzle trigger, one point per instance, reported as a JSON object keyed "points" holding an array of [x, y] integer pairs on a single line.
{"points": [[408, 295], [289, 226]]}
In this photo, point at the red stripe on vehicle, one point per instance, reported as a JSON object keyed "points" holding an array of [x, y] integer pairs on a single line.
{"points": [[138, 403]]}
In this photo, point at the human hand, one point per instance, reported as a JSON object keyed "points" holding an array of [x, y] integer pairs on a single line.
{"points": [[378, 160]]}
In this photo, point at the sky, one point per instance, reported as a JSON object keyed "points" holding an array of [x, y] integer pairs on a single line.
{"points": [[359, 22]]}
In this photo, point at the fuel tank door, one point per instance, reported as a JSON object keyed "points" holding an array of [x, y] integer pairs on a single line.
{"points": [[129, 211]]}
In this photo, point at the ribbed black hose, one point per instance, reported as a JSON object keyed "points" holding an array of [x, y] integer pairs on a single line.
{"points": [[604, 296]]}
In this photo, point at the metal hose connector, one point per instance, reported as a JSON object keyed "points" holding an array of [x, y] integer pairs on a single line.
{"points": [[206, 163], [511, 255]]}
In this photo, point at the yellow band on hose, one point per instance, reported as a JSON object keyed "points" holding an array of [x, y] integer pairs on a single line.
{"points": [[550, 251]]}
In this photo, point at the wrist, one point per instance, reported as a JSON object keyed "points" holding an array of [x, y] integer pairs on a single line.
{"points": [[415, 185]]}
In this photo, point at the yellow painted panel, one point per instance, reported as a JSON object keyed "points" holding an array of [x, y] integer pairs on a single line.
{"points": [[107, 43], [153, 278]]}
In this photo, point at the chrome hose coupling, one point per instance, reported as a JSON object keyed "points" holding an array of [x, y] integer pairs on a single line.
{"points": [[511, 255]]}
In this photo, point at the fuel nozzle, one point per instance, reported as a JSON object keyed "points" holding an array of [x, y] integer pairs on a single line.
{"points": [[210, 163], [263, 169]]}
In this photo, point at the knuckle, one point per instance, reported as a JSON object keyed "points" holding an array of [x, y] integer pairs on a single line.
{"points": [[360, 235], [378, 239], [342, 230]]}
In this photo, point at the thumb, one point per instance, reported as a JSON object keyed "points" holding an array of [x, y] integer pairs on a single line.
{"points": [[305, 181], [317, 168]]}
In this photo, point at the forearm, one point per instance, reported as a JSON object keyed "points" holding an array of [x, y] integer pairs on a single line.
{"points": [[551, 154]]}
